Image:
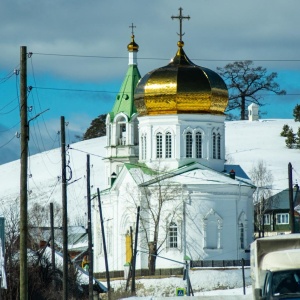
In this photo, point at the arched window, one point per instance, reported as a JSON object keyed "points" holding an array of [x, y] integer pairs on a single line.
{"points": [[144, 146], [159, 145], [213, 224], [121, 128], [168, 145], [108, 133], [242, 222], [242, 236], [212, 234], [198, 145], [188, 145], [218, 146], [214, 145], [173, 235]]}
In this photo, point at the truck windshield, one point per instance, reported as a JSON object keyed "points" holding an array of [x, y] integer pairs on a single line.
{"points": [[286, 282]]}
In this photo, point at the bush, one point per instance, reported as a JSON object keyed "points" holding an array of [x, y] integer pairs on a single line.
{"points": [[290, 139], [285, 130], [296, 113]]}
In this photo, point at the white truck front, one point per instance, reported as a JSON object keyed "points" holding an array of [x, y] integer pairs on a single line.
{"points": [[275, 267]]}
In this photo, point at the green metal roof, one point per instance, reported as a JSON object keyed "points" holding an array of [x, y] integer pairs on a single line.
{"points": [[125, 99]]}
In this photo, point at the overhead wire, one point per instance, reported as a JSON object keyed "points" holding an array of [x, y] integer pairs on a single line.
{"points": [[75, 193], [116, 92], [8, 112], [37, 135], [160, 58], [8, 76], [7, 104], [3, 145], [13, 126], [38, 99]]}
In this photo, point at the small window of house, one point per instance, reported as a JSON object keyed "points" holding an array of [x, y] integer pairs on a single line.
{"points": [[282, 218], [267, 219]]}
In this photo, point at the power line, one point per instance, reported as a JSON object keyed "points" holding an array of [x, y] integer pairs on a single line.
{"points": [[116, 92], [7, 142], [8, 112], [96, 56], [10, 127], [160, 58], [71, 90], [7, 104]]}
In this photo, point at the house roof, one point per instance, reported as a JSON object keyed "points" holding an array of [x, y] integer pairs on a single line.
{"points": [[281, 200]]}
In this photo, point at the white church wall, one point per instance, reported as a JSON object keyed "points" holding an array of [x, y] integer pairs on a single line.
{"points": [[221, 206], [120, 210], [212, 222], [172, 213], [217, 205]]}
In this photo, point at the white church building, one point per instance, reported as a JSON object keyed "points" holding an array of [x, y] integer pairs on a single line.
{"points": [[166, 155]]}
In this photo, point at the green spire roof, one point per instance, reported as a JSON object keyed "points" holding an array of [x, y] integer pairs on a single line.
{"points": [[125, 99]]}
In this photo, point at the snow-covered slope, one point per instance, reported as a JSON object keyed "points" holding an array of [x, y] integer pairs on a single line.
{"points": [[44, 177], [246, 143]]}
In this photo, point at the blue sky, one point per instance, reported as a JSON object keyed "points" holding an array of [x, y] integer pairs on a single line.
{"points": [[80, 54]]}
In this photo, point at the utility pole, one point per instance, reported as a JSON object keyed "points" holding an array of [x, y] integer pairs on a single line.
{"points": [[291, 198], [104, 245], [64, 208], [89, 225], [23, 176], [52, 241], [135, 251]]}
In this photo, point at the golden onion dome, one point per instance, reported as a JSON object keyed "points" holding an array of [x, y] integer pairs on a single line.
{"points": [[181, 87], [133, 46]]}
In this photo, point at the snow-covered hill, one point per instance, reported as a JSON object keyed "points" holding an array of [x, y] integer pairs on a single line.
{"points": [[246, 143], [44, 177]]}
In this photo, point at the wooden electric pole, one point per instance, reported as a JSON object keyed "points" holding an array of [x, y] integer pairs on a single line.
{"points": [[135, 251], [64, 208], [89, 225], [104, 244], [52, 241], [291, 198], [23, 176]]}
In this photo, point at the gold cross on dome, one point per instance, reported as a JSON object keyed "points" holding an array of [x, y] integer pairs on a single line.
{"points": [[180, 17], [132, 26]]}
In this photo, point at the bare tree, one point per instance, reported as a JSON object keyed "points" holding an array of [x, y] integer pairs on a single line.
{"points": [[39, 215], [40, 270], [159, 201], [12, 232], [244, 83], [263, 179]]}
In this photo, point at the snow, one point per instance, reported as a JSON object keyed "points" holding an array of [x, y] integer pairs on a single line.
{"points": [[213, 284], [44, 177], [249, 142]]}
